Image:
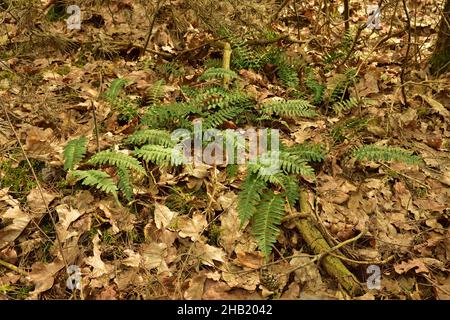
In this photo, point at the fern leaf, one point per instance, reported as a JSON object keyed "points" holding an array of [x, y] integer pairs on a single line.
{"points": [[125, 184], [291, 190], [96, 178], [345, 105], [293, 163], [317, 89], [161, 155], [74, 152], [151, 136], [155, 92], [308, 151], [217, 73], [266, 220], [115, 88], [118, 159], [291, 108], [219, 117], [288, 75], [249, 197], [384, 153]]}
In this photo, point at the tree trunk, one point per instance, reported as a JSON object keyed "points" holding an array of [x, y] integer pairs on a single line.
{"points": [[440, 61]]}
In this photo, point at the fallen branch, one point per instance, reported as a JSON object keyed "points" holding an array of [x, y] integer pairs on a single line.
{"points": [[332, 265], [13, 268]]}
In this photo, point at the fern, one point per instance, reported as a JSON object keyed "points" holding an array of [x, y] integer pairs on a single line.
{"points": [[308, 151], [385, 153], [96, 178], [161, 155], [217, 73], [213, 63], [167, 116], [74, 152], [219, 117], [288, 75], [155, 92], [312, 84], [118, 159], [345, 105], [151, 136], [291, 108], [292, 163], [291, 190], [266, 220], [249, 197], [115, 88], [125, 184]]}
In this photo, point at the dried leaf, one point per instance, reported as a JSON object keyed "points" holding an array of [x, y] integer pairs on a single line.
{"points": [[163, 215]]}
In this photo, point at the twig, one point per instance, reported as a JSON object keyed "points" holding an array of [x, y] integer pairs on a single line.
{"points": [[405, 61], [95, 126], [300, 215], [407, 177], [13, 268], [152, 24]]}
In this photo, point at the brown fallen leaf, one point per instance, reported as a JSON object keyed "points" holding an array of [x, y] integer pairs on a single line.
{"points": [[37, 204], [100, 268], [18, 222], [196, 286], [163, 215], [154, 256], [208, 254], [192, 227], [43, 276]]}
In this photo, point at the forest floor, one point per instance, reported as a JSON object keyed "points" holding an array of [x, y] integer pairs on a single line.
{"points": [[180, 236]]}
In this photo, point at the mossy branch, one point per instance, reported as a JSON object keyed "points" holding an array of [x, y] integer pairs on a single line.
{"points": [[332, 265]]}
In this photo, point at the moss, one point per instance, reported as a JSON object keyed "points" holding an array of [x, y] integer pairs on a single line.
{"points": [[19, 179], [63, 70], [214, 234]]}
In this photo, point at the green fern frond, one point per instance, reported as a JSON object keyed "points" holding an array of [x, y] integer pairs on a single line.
{"points": [[288, 75], [266, 221], [115, 88], [290, 108], [217, 73], [331, 57], [312, 84], [96, 178], [217, 98], [385, 153], [169, 115], [117, 159], [161, 155], [125, 184], [291, 190], [293, 163], [74, 152], [347, 40], [213, 63], [156, 92], [345, 105], [249, 197], [308, 151], [217, 118], [151, 136]]}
